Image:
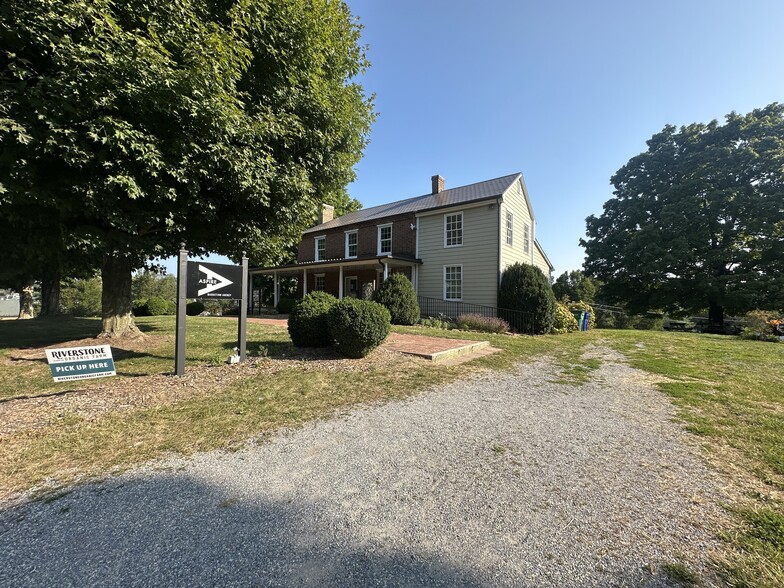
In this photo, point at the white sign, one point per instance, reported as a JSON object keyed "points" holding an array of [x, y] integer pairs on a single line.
{"points": [[213, 281], [80, 363]]}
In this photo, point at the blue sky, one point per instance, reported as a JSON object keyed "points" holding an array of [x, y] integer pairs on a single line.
{"points": [[565, 92]]}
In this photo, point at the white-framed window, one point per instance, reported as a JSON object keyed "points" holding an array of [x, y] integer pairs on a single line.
{"points": [[453, 229], [321, 248], [527, 238], [351, 243], [453, 282], [384, 239], [509, 228], [319, 282]]}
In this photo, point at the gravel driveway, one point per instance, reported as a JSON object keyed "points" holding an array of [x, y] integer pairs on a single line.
{"points": [[501, 480]]}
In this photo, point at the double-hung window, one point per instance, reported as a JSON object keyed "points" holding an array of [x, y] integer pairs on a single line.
{"points": [[453, 229], [321, 248], [453, 282], [319, 282], [509, 228], [527, 238], [351, 243], [384, 239]]}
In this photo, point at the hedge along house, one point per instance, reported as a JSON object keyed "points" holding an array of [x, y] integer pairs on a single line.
{"points": [[453, 244]]}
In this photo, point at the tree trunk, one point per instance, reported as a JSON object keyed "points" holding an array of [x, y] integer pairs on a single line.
{"points": [[715, 317], [26, 310], [116, 298], [50, 294]]}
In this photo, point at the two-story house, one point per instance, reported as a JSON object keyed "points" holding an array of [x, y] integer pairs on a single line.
{"points": [[453, 244]]}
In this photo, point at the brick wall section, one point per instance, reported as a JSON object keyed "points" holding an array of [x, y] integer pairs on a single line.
{"points": [[403, 239]]}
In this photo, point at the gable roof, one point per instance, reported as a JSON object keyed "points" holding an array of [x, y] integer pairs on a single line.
{"points": [[451, 197]]}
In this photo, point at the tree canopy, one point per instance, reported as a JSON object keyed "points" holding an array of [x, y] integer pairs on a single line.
{"points": [[575, 286], [697, 220], [146, 123]]}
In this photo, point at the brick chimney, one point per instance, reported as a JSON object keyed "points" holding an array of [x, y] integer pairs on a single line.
{"points": [[326, 214], [438, 184]]}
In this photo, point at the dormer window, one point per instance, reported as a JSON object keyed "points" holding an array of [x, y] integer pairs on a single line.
{"points": [[321, 248], [351, 243], [384, 239]]}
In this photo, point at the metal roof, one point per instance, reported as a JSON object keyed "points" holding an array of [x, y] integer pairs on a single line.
{"points": [[451, 197]]}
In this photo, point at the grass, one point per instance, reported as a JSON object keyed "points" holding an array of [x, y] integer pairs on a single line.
{"points": [[728, 392], [680, 573]]}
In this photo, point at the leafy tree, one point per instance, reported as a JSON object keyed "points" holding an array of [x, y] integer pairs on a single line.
{"points": [[146, 123], [697, 220], [575, 286], [397, 294], [148, 284]]}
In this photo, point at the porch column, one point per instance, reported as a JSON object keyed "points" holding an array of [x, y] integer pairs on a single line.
{"points": [[304, 283], [275, 289], [415, 277], [386, 270], [340, 284]]}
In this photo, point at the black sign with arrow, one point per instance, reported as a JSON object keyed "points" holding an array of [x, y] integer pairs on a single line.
{"points": [[214, 280]]}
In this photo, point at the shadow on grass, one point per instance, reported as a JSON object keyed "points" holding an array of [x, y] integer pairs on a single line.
{"points": [[276, 349], [44, 331]]}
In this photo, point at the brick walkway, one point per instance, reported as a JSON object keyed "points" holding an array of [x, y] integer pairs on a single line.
{"points": [[433, 348]]}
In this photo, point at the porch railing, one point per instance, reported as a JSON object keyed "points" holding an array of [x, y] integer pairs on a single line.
{"points": [[519, 321]]}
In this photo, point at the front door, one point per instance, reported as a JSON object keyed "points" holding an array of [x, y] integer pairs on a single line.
{"points": [[350, 287]]}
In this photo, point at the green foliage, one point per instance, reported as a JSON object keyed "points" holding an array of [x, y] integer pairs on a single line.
{"points": [[483, 324], [398, 296], [358, 326], [697, 220], [139, 307], [81, 297], [285, 305], [760, 326], [147, 284], [563, 320], [128, 127], [574, 286], [157, 306], [646, 322], [194, 308], [308, 326], [524, 287], [439, 322]]}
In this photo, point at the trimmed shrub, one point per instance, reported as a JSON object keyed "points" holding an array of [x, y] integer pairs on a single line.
{"points": [[525, 288], [308, 325], [233, 310], [139, 307], [194, 308], [285, 305], [358, 326], [585, 307], [563, 320], [157, 306], [171, 307], [483, 324], [398, 296]]}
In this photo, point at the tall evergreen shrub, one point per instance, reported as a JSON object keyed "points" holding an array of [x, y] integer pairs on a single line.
{"points": [[524, 287], [398, 296]]}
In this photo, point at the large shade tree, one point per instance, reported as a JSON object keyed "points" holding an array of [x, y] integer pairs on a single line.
{"points": [[146, 123], [697, 220]]}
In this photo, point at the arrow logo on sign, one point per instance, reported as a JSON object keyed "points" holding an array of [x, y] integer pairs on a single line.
{"points": [[214, 281]]}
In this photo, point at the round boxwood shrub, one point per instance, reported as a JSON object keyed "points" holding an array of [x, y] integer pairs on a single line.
{"points": [[308, 320], [358, 326], [194, 308], [525, 288], [564, 321], [285, 305], [157, 306], [398, 296]]}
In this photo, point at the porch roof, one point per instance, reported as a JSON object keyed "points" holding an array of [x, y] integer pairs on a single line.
{"points": [[336, 263]]}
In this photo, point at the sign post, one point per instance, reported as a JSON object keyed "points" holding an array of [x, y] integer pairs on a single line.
{"points": [[182, 272], [242, 327], [197, 279]]}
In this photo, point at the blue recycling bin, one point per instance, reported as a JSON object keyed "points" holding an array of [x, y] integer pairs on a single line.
{"points": [[584, 326]]}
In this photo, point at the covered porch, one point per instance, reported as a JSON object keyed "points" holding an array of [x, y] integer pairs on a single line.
{"points": [[344, 278]]}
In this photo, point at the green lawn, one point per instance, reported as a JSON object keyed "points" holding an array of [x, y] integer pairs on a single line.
{"points": [[729, 393]]}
